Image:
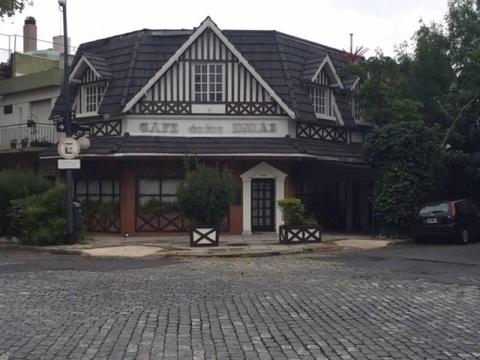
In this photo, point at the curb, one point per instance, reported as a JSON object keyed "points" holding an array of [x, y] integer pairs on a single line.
{"points": [[327, 247], [177, 253], [39, 249], [240, 255], [246, 254], [400, 242]]}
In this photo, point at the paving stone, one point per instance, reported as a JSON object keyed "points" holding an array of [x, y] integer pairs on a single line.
{"points": [[261, 308]]}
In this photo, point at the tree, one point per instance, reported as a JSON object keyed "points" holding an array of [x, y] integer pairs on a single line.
{"points": [[463, 107], [433, 90], [383, 91], [430, 74], [463, 23], [402, 97], [405, 157], [8, 8]]}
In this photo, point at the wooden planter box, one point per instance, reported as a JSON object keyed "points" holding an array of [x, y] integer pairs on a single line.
{"points": [[300, 234], [204, 236]]}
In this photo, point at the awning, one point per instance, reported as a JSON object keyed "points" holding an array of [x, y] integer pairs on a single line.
{"points": [[163, 146]]}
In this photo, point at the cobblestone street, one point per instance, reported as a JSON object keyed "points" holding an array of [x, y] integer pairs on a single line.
{"points": [[289, 307]]}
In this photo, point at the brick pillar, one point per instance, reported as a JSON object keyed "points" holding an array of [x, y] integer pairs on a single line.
{"points": [[127, 200], [236, 219], [289, 187], [349, 205]]}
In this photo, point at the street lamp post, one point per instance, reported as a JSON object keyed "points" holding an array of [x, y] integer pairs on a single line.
{"points": [[67, 118]]}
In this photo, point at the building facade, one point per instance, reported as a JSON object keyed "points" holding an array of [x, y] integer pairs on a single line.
{"points": [[29, 86], [268, 105]]}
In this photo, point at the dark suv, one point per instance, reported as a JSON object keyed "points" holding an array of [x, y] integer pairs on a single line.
{"points": [[457, 219]]}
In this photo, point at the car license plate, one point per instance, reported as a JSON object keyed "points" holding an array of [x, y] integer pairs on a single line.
{"points": [[432, 221]]}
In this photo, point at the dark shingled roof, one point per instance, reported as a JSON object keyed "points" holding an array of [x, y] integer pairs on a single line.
{"points": [[100, 64], [179, 146], [311, 66], [282, 60]]}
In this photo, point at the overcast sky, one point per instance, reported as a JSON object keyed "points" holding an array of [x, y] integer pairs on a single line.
{"points": [[375, 23]]}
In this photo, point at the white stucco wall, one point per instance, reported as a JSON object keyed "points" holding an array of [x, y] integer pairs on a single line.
{"points": [[22, 109], [33, 105]]}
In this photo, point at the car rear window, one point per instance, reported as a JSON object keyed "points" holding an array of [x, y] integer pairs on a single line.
{"points": [[435, 209]]}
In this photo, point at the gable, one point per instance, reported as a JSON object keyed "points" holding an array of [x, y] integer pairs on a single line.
{"points": [[95, 66], [90, 76], [90, 92], [322, 78], [326, 71], [263, 170], [353, 84], [171, 90], [323, 98]]}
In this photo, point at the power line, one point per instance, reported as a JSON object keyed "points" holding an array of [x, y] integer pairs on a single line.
{"points": [[32, 38]]}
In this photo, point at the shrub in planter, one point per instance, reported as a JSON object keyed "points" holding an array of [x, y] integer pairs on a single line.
{"points": [[204, 198], [16, 184], [158, 207], [297, 228]]}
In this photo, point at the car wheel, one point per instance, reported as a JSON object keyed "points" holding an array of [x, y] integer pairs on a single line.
{"points": [[464, 237]]}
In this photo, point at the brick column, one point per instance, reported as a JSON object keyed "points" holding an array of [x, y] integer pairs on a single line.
{"points": [[236, 219], [289, 187], [349, 205], [127, 200]]}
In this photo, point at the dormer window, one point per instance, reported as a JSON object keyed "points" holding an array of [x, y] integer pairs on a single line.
{"points": [[92, 74], [91, 97], [321, 98], [354, 105], [321, 78], [208, 82]]}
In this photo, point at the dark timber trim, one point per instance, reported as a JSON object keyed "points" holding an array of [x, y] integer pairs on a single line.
{"points": [[322, 132]]}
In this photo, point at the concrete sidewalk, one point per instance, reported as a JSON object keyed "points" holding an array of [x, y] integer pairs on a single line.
{"points": [[230, 246]]}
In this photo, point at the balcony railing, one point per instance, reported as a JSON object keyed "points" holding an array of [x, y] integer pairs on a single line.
{"points": [[22, 135]]}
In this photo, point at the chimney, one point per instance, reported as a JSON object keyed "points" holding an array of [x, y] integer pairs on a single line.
{"points": [[58, 44], [30, 34]]}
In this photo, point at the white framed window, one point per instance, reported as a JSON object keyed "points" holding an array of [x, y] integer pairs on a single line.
{"points": [[92, 190], [208, 82], [321, 98], [91, 97], [358, 115], [162, 190], [355, 106]]}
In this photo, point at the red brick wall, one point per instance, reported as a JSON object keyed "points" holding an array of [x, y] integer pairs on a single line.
{"points": [[236, 219], [49, 168], [16, 159], [289, 187], [129, 171], [127, 200]]}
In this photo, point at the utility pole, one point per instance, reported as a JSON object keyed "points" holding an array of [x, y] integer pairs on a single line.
{"points": [[67, 119]]}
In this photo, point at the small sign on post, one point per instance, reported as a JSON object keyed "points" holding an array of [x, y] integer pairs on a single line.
{"points": [[64, 164], [68, 148]]}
